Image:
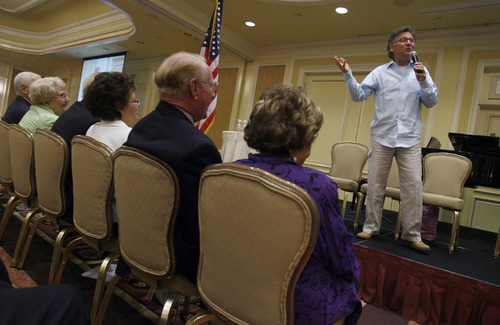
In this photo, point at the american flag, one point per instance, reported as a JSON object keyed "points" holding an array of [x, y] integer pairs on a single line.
{"points": [[210, 51]]}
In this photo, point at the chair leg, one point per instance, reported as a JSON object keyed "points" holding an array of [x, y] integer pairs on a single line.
{"points": [[8, 212], [22, 237], [63, 261], [201, 318], [398, 224], [57, 252], [361, 201], [187, 302], [105, 300], [172, 300], [29, 238], [344, 204], [101, 284], [454, 232], [497, 246]]}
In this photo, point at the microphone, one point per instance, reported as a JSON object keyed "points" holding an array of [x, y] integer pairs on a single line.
{"points": [[414, 58]]}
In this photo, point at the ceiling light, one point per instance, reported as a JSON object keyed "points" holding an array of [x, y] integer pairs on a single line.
{"points": [[250, 24], [341, 10]]}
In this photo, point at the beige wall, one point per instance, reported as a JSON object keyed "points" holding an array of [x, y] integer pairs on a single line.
{"points": [[463, 74]]}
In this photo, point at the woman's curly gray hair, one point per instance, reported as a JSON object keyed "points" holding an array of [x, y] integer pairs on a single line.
{"points": [[284, 118]]}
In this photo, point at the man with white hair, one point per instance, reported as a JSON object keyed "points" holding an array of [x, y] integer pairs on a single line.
{"points": [[186, 87], [21, 104]]}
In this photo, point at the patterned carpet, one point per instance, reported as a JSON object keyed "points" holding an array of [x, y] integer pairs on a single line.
{"points": [[129, 304], [19, 278]]}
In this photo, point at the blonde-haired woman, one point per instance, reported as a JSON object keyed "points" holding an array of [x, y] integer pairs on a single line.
{"points": [[49, 98]]}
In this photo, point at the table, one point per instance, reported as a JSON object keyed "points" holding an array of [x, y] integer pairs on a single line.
{"points": [[234, 147]]}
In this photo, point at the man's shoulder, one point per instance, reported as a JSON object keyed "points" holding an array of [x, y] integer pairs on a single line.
{"points": [[20, 101], [77, 111], [75, 120], [384, 66], [170, 139], [16, 110]]}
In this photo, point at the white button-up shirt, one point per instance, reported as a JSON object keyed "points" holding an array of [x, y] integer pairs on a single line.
{"points": [[398, 101]]}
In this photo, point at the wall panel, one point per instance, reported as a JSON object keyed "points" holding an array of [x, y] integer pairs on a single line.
{"points": [[225, 99]]}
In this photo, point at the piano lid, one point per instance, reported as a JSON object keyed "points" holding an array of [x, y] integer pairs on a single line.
{"points": [[475, 143]]}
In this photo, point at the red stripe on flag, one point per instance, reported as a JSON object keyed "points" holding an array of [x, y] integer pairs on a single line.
{"points": [[210, 51]]}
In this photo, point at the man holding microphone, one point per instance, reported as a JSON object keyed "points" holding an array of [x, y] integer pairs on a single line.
{"points": [[400, 87]]}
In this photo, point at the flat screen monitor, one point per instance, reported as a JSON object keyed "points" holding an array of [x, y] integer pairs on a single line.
{"points": [[102, 63]]}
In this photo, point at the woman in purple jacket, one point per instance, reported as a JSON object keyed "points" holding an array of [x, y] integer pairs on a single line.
{"points": [[282, 126]]}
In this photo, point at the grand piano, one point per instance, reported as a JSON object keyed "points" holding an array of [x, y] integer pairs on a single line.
{"points": [[484, 153]]}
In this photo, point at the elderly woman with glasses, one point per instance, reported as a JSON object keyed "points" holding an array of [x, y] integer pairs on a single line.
{"points": [[282, 126], [111, 97], [49, 99]]}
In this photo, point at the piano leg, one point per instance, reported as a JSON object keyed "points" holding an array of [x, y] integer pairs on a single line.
{"points": [[497, 246]]}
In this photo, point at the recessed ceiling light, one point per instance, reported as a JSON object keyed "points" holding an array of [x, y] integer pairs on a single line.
{"points": [[341, 10], [250, 24]]}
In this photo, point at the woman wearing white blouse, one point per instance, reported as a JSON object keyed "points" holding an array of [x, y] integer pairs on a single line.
{"points": [[111, 97]]}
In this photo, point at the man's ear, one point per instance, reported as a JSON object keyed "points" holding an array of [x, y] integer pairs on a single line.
{"points": [[193, 88], [24, 89]]}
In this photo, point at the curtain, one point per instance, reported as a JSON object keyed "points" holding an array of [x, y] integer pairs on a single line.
{"points": [[425, 294]]}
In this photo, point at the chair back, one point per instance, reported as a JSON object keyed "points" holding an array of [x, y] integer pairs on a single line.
{"points": [[257, 232], [92, 169], [51, 163], [348, 160], [147, 199], [22, 162], [445, 174], [5, 166], [433, 143]]}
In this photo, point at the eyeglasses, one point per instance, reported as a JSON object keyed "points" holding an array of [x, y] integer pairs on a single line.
{"points": [[214, 85], [135, 101], [63, 96], [403, 40]]}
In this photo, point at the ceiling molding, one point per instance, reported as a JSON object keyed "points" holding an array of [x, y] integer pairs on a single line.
{"points": [[459, 6], [115, 18], [369, 45], [304, 2], [19, 6], [83, 33]]}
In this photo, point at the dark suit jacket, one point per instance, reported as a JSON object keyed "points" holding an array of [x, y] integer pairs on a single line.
{"points": [[75, 120], [169, 135], [16, 110]]}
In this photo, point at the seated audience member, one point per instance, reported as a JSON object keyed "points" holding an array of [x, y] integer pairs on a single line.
{"points": [[282, 126], [49, 99], [186, 88], [74, 121], [58, 304], [111, 97], [21, 104]]}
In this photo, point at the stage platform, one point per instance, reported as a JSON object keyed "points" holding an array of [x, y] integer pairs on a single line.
{"points": [[432, 287]]}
